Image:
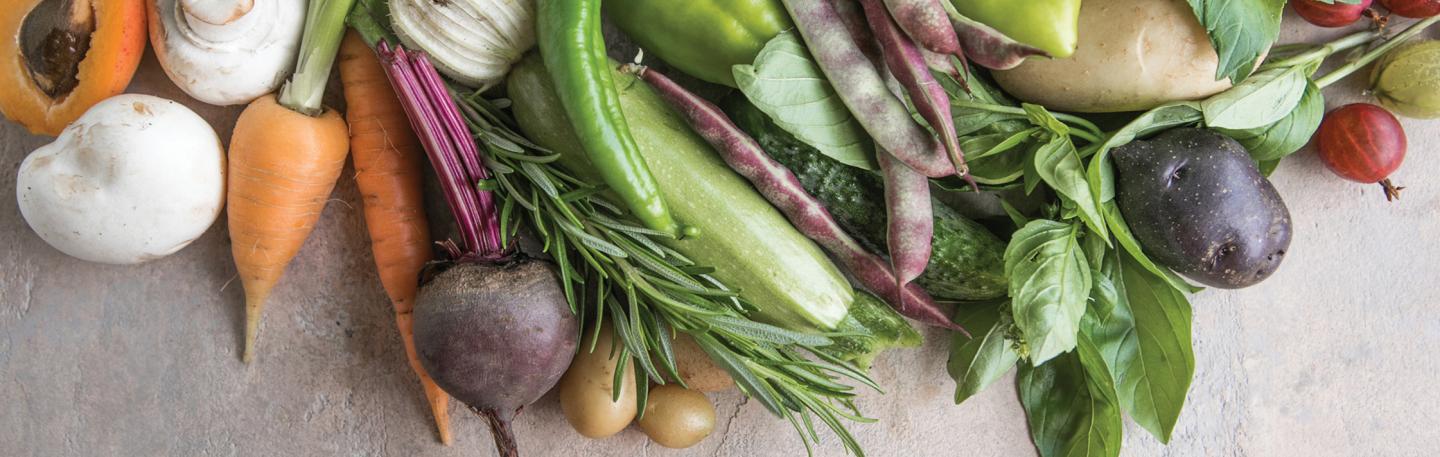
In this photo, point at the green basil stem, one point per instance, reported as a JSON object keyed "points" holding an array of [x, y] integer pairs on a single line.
{"points": [[1088, 130], [1374, 54], [1313, 53], [324, 27]]}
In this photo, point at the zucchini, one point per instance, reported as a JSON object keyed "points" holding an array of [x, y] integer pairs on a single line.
{"points": [[751, 246], [967, 262], [871, 328]]}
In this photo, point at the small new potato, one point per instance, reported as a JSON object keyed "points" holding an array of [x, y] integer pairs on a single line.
{"points": [[587, 389], [1133, 55], [696, 368], [135, 178], [676, 417]]}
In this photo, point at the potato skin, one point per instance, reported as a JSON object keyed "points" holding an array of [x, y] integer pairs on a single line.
{"points": [[587, 389], [1133, 55], [696, 368], [1197, 204], [676, 417]]}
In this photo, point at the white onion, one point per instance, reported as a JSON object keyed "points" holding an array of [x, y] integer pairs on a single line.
{"points": [[473, 41]]}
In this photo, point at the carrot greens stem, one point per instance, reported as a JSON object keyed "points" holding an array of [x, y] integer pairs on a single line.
{"points": [[324, 28]]}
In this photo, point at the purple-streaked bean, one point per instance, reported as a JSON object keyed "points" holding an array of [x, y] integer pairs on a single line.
{"points": [[854, 20], [780, 186], [863, 90], [906, 63], [911, 226], [988, 47], [925, 21], [941, 63]]}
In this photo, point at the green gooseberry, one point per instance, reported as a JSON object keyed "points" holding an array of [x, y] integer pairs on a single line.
{"points": [[1407, 80]]}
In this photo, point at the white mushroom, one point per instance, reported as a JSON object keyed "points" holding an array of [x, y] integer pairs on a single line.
{"points": [[135, 178], [226, 52]]}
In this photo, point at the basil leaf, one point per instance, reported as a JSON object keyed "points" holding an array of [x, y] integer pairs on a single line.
{"points": [[1262, 100], [1049, 285], [1153, 387], [1108, 322], [1240, 31], [1059, 165], [1121, 230], [1278, 140], [786, 84], [1102, 173], [1071, 405], [977, 362]]}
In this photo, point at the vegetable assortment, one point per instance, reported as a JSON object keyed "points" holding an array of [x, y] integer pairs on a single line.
{"points": [[702, 234]]}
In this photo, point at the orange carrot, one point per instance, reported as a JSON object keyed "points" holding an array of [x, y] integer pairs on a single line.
{"points": [[388, 170], [285, 155], [283, 165]]}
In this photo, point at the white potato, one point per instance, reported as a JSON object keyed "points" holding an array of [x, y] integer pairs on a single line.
{"points": [[136, 178], [1133, 55]]}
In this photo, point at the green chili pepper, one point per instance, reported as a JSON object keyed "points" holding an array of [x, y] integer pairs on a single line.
{"points": [[574, 51], [1051, 25], [703, 38]]}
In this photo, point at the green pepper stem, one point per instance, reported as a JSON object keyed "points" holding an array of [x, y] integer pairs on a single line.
{"points": [[1374, 54], [324, 28]]}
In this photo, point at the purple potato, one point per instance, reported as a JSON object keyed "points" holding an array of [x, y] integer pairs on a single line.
{"points": [[1198, 204]]}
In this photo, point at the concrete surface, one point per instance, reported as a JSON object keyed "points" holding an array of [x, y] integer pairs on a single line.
{"points": [[1333, 356]]}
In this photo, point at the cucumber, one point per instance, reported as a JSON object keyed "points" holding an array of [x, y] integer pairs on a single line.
{"points": [[967, 262], [871, 327], [751, 246]]}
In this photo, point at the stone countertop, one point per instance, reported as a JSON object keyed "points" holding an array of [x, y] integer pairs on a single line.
{"points": [[1330, 357]]}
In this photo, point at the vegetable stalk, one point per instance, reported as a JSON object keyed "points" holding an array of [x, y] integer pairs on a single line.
{"points": [[324, 28], [780, 186], [1374, 54], [438, 122]]}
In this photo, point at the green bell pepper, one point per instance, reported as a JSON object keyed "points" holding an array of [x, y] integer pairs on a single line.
{"points": [[1051, 25], [702, 38]]}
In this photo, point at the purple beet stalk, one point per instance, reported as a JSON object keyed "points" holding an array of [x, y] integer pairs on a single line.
{"points": [[783, 189], [907, 63], [862, 88], [457, 161], [926, 22], [988, 47]]}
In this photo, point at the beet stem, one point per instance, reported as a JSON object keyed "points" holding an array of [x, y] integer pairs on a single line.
{"points": [[780, 186], [452, 151]]}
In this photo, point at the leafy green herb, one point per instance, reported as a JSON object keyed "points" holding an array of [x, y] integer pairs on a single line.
{"points": [[786, 84], [1059, 165], [977, 362], [1071, 405], [1109, 322], [1049, 285], [613, 268], [1261, 100], [1283, 138], [1153, 386], [1240, 30]]}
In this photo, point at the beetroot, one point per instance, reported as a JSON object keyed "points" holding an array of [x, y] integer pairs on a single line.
{"points": [[492, 328]]}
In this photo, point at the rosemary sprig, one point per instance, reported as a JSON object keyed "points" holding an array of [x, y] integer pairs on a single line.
{"points": [[611, 267]]}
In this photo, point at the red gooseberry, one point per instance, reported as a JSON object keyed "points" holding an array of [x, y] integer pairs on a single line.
{"points": [[1363, 143]]}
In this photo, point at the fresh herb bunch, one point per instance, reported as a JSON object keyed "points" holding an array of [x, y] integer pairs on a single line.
{"points": [[611, 267], [1095, 326]]}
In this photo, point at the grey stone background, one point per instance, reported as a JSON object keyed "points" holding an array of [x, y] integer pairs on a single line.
{"points": [[1333, 356]]}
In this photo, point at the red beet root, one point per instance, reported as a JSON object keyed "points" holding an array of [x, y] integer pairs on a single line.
{"points": [[1363, 143], [1413, 8], [1330, 14]]}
